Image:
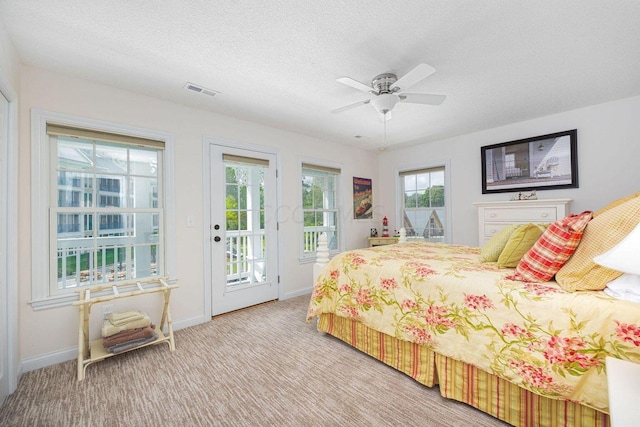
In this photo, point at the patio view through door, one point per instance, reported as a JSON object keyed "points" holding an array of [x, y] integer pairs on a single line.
{"points": [[243, 228]]}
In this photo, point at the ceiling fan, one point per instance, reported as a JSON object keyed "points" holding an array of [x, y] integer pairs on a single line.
{"points": [[387, 90]]}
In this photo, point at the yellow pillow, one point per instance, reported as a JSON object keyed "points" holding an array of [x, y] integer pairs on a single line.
{"points": [[616, 203], [520, 241], [493, 248], [602, 233]]}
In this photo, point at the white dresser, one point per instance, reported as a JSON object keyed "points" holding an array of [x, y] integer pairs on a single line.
{"points": [[492, 216]]}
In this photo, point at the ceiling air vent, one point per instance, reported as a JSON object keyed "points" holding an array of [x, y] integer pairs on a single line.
{"points": [[200, 89]]}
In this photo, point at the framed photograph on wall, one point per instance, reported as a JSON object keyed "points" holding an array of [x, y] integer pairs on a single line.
{"points": [[362, 198], [544, 162]]}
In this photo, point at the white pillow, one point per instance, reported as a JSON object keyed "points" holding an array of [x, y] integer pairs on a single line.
{"points": [[626, 287], [624, 256]]}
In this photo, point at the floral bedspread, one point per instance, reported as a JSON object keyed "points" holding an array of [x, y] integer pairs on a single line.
{"points": [[536, 335]]}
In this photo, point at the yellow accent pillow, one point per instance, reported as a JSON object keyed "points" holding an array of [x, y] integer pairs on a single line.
{"points": [[616, 203], [493, 248], [602, 233], [520, 241]]}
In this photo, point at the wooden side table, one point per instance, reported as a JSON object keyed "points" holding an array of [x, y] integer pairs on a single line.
{"points": [[380, 241]]}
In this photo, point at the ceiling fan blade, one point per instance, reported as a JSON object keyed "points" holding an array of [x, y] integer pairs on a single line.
{"points": [[422, 98], [355, 84], [420, 72], [350, 106]]}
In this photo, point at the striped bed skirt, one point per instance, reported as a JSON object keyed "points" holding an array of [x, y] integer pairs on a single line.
{"points": [[463, 382]]}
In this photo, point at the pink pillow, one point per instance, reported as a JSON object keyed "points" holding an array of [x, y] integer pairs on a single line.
{"points": [[552, 249]]}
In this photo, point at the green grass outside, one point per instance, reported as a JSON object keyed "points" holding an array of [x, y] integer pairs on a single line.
{"points": [[107, 259]]}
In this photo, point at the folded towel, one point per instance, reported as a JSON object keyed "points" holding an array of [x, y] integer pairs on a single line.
{"points": [[109, 328], [128, 335], [119, 348], [119, 319]]}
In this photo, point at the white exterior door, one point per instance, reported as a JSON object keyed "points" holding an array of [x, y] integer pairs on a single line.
{"points": [[4, 244], [243, 235]]}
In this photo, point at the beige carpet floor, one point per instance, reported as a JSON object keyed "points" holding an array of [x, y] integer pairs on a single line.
{"points": [[263, 366]]}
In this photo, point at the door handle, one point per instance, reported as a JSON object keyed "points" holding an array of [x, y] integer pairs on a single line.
{"points": [[216, 239]]}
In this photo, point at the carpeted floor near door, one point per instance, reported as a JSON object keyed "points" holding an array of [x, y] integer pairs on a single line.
{"points": [[259, 367]]}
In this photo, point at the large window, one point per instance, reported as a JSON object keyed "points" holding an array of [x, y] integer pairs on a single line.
{"points": [[320, 213], [103, 209], [423, 212]]}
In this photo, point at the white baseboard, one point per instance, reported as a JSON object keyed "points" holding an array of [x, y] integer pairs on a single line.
{"points": [[305, 291], [71, 353], [48, 359], [193, 321]]}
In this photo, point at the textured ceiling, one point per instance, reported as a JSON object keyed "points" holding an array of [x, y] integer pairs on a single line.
{"points": [[277, 62]]}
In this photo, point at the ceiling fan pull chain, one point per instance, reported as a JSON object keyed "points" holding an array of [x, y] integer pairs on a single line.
{"points": [[384, 119]]}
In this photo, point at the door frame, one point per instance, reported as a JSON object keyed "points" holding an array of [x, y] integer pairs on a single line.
{"points": [[12, 366], [207, 142]]}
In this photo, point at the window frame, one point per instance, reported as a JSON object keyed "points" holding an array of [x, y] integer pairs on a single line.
{"points": [[308, 257], [42, 166], [435, 164]]}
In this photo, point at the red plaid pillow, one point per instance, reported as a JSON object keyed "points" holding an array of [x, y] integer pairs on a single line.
{"points": [[552, 250]]}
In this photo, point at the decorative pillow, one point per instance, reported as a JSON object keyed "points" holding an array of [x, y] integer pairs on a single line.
{"points": [[602, 233], [552, 249], [519, 243], [616, 203], [493, 248]]}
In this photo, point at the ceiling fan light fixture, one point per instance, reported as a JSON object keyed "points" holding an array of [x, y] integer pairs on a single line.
{"points": [[386, 90], [384, 103]]}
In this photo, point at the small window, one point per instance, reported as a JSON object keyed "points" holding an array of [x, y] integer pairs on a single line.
{"points": [[423, 212], [320, 212]]}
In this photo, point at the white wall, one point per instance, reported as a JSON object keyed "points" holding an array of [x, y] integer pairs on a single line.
{"points": [[51, 334], [608, 154]]}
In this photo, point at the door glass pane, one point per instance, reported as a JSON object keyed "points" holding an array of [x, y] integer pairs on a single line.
{"points": [[245, 232]]}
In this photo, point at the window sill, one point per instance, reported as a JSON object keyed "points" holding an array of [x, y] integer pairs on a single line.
{"points": [[53, 302]]}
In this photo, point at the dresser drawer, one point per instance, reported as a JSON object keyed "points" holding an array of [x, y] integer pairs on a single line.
{"points": [[492, 228], [380, 241], [542, 214]]}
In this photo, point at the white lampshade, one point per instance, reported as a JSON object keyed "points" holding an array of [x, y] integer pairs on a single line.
{"points": [[625, 256], [385, 102]]}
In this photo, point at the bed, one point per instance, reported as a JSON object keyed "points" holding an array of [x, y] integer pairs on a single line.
{"points": [[528, 353]]}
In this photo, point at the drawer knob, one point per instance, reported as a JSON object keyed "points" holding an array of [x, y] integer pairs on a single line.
{"points": [[544, 215], [492, 215]]}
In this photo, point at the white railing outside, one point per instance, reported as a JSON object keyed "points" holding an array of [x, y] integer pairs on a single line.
{"points": [[311, 235]]}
